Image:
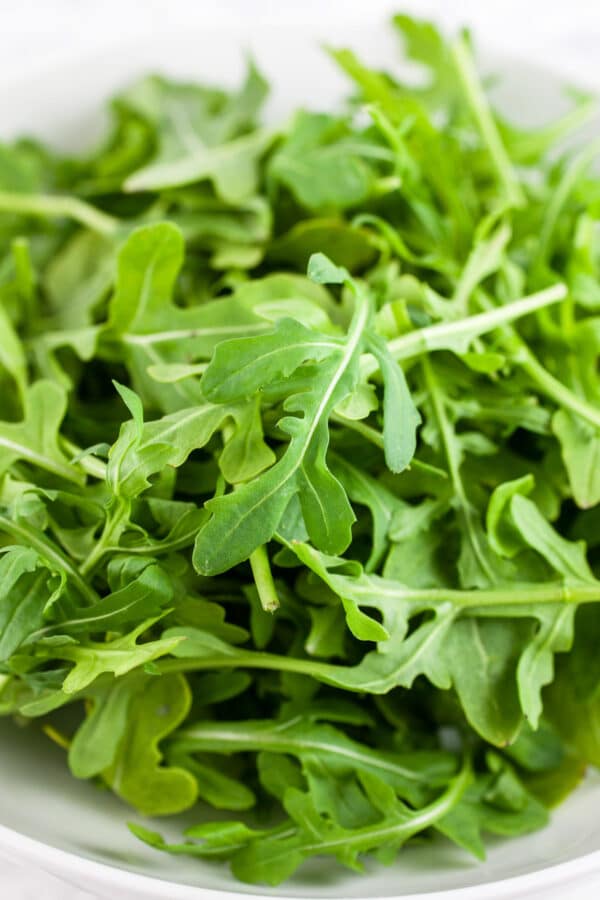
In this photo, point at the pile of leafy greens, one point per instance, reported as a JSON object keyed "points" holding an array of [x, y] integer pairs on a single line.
{"points": [[300, 462]]}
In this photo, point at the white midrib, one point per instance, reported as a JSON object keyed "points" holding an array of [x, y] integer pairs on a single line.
{"points": [[162, 337], [175, 426], [348, 353], [302, 744], [178, 424], [45, 462]]}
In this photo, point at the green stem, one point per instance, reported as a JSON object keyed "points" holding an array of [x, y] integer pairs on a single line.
{"points": [[24, 452], [445, 334], [370, 434], [365, 838], [24, 275], [250, 659], [90, 464], [552, 387], [375, 437], [482, 114], [453, 457], [112, 525], [49, 551], [294, 737], [59, 207], [487, 601], [530, 143], [156, 548], [546, 383], [263, 579], [559, 197]]}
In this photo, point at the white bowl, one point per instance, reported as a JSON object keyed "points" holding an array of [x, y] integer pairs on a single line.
{"points": [[71, 829]]}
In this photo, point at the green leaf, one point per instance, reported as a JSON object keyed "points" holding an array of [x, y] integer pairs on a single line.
{"points": [[202, 134], [24, 594], [347, 245], [248, 517], [409, 774], [501, 533], [136, 774], [301, 422], [152, 330], [382, 504], [580, 445], [491, 647], [246, 454], [35, 439], [12, 355], [565, 557], [143, 450], [96, 741], [400, 415], [321, 165], [322, 271], [239, 368], [143, 598], [118, 656], [214, 786]]}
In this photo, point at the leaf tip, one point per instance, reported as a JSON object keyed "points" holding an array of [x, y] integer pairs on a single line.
{"points": [[323, 271]]}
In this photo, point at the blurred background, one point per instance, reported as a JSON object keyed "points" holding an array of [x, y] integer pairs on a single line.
{"points": [[567, 34], [36, 34]]}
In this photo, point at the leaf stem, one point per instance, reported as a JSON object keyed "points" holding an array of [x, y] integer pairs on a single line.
{"points": [[37, 458], [453, 457], [487, 601], [559, 197], [423, 818], [282, 737], [437, 337], [546, 383], [552, 387], [90, 464], [482, 114], [113, 523], [24, 275], [263, 579], [49, 551], [59, 207], [375, 437]]}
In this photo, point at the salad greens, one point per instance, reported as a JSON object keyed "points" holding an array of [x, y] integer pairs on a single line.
{"points": [[300, 462]]}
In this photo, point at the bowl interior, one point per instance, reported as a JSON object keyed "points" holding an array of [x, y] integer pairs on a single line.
{"points": [[40, 800]]}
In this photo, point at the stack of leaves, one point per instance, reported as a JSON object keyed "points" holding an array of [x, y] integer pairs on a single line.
{"points": [[300, 462]]}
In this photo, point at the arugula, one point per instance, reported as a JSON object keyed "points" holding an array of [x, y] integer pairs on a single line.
{"points": [[299, 443]]}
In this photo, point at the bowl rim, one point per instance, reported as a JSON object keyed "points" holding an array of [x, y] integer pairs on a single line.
{"points": [[68, 865]]}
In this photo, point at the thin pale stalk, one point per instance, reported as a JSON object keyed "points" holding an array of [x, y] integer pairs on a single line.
{"points": [[59, 207]]}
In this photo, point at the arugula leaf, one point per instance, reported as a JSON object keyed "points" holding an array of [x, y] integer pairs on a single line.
{"points": [[322, 164], [136, 773], [299, 430], [96, 741], [200, 134], [35, 439], [118, 656], [23, 596], [409, 775], [248, 517], [152, 329]]}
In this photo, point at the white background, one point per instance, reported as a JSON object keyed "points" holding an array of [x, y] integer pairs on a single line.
{"points": [[35, 33]]}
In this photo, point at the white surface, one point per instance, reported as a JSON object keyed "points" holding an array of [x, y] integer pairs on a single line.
{"points": [[37, 34], [35, 31]]}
